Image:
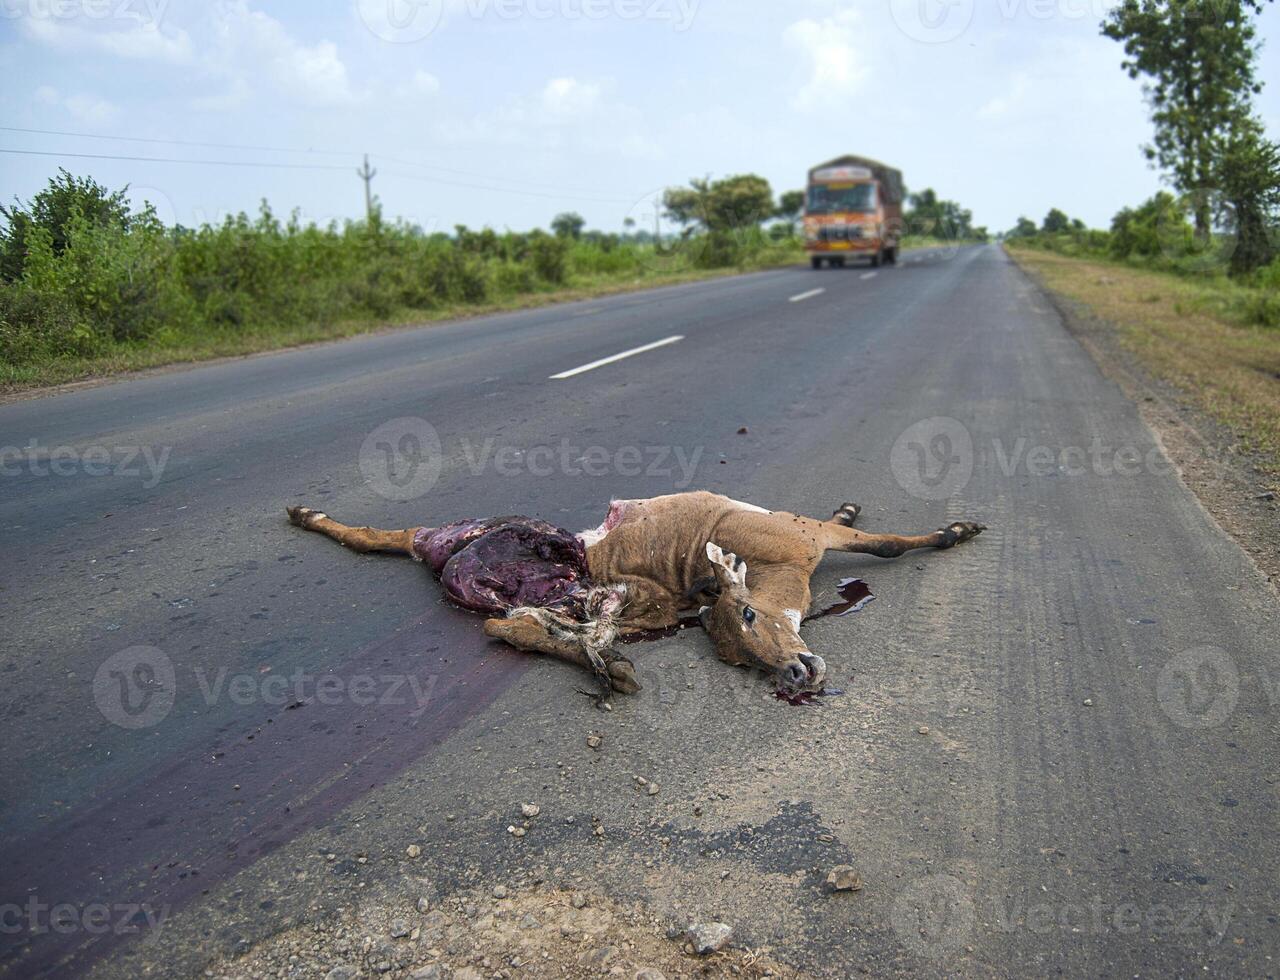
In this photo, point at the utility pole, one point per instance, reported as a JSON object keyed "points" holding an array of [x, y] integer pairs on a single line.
{"points": [[367, 176]]}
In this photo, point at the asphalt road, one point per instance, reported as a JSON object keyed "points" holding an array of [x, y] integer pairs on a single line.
{"points": [[1056, 749]]}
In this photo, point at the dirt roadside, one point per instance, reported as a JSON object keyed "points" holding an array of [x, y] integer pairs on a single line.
{"points": [[1227, 480], [538, 931]]}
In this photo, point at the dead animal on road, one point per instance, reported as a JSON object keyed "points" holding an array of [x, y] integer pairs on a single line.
{"points": [[743, 570]]}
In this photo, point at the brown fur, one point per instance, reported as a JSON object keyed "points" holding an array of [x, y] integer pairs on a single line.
{"points": [[667, 556]]}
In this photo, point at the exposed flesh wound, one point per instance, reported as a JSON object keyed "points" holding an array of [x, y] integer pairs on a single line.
{"points": [[495, 564]]}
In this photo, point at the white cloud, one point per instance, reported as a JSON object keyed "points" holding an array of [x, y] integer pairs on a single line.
{"points": [[835, 66], [412, 91], [138, 42], [565, 114], [243, 49], [568, 98], [424, 83], [1005, 104], [237, 93], [146, 44], [89, 110], [249, 41]]}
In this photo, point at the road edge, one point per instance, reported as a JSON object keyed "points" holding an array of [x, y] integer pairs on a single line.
{"points": [[525, 303], [1204, 452]]}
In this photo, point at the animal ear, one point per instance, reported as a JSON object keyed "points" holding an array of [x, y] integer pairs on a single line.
{"points": [[729, 568]]}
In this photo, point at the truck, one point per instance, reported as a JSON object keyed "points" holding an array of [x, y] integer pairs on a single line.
{"points": [[852, 209]]}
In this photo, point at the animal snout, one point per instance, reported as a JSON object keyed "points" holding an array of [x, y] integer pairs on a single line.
{"points": [[796, 675], [805, 672]]}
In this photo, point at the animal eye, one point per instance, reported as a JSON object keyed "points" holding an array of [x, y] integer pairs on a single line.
{"points": [[748, 615]]}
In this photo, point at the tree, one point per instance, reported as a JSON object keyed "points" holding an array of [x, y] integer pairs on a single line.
{"points": [[1025, 228], [1250, 179], [790, 205], [1055, 221], [741, 201], [929, 215], [1198, 57], [1158, 226], [52, 209], [568, 224]]}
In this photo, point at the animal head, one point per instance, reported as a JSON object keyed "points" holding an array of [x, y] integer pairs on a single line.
{"points": [[754, 630]]}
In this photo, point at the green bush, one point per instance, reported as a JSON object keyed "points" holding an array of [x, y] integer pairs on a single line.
{"points": [[67, 199], [1268, 277], [1157, 228], [550, 258], [81, 277], [1262, 307], [586, 259], [513, 278]]}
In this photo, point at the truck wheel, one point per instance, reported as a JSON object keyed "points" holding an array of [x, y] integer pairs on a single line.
{"points": [[839, 262], [816, 262]]}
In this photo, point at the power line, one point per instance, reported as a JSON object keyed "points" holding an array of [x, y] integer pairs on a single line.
{"points": [[286, 149], [212, 163], [144, 139], [317, 166]]}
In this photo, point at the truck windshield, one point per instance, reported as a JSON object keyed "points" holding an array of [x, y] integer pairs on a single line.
{"points": [[831, 198]]}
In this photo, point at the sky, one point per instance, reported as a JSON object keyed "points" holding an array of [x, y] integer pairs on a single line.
{"points": [[502, 113]]}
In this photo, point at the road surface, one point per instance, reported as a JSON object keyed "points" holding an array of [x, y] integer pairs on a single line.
{"points": [[1056, 747]]}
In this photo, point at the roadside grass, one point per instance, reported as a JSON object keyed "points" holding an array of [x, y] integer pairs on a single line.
{"points": [[590, 272], [184, 340], [1194, 333], [184, 347]]}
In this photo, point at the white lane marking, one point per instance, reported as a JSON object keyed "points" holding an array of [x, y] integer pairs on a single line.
{"points": [[674, 338], [866, 275], [799, 297]]}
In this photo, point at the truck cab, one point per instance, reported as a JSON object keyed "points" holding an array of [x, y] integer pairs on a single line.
{"points": [[853, 209]]}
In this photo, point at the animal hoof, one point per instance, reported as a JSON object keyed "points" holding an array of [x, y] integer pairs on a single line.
{"points": [[622, 676], [961, 531], [846, 514], [298, 515]]}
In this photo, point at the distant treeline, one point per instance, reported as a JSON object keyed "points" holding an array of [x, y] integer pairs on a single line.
{"points": [[1160, 234], [1198, 64], [82, 276]]}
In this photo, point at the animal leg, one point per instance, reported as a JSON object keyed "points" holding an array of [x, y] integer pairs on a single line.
{"points": [[527, 632], [841, 538], [846, 514], [360, 539]]}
